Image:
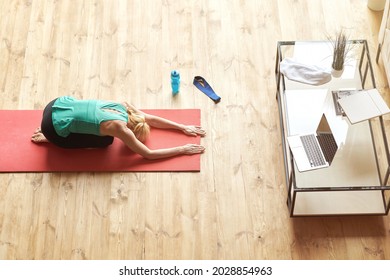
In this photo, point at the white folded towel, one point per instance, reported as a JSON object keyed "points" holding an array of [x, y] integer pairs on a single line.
{"points": [[304, 73]]}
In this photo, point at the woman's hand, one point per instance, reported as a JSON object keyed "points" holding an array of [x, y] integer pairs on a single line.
{"points": [[194, 130], [191, 149]]}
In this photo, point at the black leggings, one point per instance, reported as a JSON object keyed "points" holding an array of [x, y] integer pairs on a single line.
{"points": [[73, 140]]}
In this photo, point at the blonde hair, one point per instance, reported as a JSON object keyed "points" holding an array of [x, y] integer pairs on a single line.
{"points": [[136, 122]]}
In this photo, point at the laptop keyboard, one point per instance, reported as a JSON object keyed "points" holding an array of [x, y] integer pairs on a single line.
{"points": [[312, 150]]}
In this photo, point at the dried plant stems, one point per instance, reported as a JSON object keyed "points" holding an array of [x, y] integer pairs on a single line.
{"points": [[340, 50]]}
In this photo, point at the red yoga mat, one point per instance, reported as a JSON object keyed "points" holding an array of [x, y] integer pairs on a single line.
{"points": [[19, 154]]}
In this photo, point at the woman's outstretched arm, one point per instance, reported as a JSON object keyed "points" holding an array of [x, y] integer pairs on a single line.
{"points": [[120, 130], [159, 122]]}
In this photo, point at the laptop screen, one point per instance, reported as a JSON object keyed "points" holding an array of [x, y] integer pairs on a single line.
{"points": [[326, 139], [323, 126]]}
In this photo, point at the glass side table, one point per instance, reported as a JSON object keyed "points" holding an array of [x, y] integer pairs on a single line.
{"points": [[357, 181]]}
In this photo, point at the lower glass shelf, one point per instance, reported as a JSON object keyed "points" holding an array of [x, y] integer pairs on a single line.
{"points": [[339, 203]]}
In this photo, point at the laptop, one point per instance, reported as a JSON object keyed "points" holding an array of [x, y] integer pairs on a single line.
{"points": [[314, 150]]}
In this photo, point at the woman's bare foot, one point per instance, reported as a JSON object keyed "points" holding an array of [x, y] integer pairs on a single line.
{"points": [[38, 136]]}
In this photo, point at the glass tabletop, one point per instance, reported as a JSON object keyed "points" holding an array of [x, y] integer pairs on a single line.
{"points": [[361, 162]]}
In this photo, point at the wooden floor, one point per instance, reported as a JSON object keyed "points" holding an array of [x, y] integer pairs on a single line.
{"points": [[235, 208]]}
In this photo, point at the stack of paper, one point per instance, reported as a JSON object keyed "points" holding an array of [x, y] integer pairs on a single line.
{"points": [[363, 105]]}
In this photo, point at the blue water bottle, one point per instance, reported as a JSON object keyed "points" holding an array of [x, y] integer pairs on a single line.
{"points": [[175, 82]]}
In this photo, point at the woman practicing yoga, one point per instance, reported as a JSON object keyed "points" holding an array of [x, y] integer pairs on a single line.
{"points": [[71, 123]]}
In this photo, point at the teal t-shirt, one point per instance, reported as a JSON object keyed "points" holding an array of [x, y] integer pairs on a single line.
{"points": [[71, 115]]}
